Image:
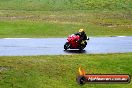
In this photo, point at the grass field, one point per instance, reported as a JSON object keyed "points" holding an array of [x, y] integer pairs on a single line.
{"points": [[61, 71], [63, 23], [59, 18], [65, 5]]}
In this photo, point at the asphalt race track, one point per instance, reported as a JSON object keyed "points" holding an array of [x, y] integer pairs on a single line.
{"points": [[54, 46]]}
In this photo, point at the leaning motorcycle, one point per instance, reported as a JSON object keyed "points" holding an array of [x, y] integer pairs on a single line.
{"points": [[72, 43]]}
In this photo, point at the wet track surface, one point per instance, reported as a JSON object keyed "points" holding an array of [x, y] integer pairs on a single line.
{"points": [[54, 46]]}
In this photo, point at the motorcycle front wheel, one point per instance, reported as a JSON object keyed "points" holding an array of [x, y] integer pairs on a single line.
{"points": [[82, 47], [66, 46]]}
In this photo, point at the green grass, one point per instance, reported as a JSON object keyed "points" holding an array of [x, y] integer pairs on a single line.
{"points": [[61, 71], [59, 18], [63, 23], [65, 5]]}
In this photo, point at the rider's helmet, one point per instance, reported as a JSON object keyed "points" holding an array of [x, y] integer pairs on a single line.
{"points": [[81, 30]]}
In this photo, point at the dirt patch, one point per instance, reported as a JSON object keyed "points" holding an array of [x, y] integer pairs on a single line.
{"points": [[4, 68]]}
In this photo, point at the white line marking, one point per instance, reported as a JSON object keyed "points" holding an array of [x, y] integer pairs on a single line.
{"points": [[39, 38], [121, 36], [16, 38]]}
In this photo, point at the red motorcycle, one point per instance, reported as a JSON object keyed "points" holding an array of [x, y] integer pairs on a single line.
{"points": [[74, 44]]}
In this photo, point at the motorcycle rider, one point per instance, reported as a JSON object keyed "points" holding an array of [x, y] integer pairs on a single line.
{"points": [[82, 35]]}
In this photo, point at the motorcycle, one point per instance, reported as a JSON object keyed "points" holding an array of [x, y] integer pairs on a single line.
{"points": [[72, 43]]}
